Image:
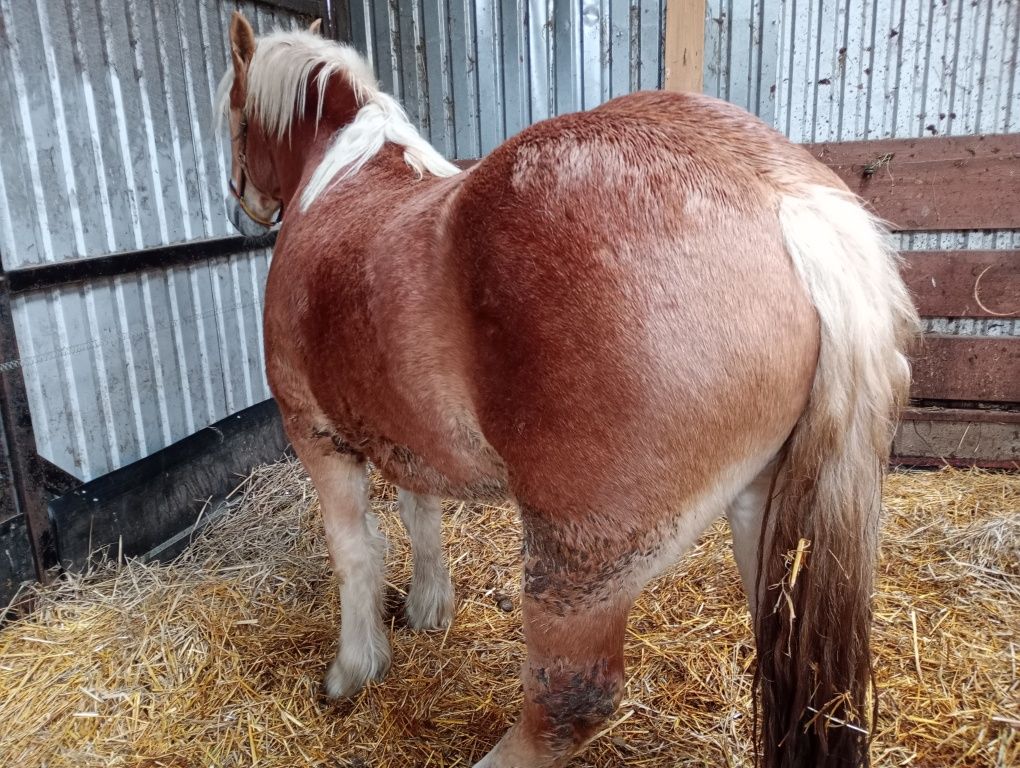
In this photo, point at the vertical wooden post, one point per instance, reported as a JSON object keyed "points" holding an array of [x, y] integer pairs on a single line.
{"points": [[25, 465], [685, 45]]}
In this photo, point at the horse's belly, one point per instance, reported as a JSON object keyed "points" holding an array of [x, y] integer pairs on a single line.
{"points": [[464, 467]]}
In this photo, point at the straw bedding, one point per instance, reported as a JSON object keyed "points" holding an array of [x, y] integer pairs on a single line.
{"points": [[215, 659]]}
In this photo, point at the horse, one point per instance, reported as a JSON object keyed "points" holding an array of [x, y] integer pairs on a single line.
{"points": [[629, 321]]}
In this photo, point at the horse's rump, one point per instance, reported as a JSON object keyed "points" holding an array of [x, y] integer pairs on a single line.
{"points": [[632, 313]]}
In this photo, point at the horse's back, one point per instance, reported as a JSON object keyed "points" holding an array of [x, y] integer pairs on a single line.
{"points": [[636, 314]]}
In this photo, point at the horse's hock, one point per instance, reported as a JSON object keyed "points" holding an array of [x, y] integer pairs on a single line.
{"points": [[136, 423]]}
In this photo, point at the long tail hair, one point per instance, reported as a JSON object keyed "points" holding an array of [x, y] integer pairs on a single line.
{"points": [[815, 702]]}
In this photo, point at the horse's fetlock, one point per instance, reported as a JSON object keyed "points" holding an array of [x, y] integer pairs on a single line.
{"points": [[576, 701]]}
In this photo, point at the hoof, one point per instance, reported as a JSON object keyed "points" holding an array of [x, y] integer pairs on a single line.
{"points": [[430, 606], [349, 672]]}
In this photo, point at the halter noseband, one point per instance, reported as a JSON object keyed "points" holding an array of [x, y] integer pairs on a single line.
{"points": [[238, 194]]}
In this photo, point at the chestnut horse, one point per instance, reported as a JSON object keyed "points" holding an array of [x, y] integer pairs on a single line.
{"points": [[630, 321]]}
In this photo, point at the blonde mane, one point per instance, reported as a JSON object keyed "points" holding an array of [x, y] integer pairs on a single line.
{"points": [[277, 89]]}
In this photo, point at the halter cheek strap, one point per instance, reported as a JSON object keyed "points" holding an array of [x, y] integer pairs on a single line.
{"points": [[238, 194]]}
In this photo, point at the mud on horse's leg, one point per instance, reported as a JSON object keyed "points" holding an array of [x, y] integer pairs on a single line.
{"points": [[430, 601], [356, 549], [575, 616]]}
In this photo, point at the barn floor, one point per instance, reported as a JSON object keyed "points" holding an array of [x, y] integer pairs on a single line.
{"points": [[215, 660]]}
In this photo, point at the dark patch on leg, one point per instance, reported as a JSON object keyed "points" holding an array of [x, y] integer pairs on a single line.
{"points": [[576, 702], [568, 564], [340, 445]]}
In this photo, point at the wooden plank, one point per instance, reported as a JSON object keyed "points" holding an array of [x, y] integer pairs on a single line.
{"points": [[968, 415], [685, 45], [966, 182], [938, 436], [969, 368], [964, 283]]}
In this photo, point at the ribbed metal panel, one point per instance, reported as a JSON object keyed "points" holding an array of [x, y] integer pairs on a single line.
{"points": [[845, 70], [108, 146], [868, 69], [106, 114], [472, 73], [742, 53], [119, 368]]}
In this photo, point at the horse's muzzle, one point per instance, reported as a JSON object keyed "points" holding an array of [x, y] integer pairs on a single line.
{"points": [[242, 222]]}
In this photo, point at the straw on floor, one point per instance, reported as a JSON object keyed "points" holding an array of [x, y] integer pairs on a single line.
{"points": [[216, 659]]}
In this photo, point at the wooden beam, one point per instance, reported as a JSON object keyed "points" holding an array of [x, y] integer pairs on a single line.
{"points": [[967, 368], [938, 436], [685, 45], [964, 283], [966, 182]]}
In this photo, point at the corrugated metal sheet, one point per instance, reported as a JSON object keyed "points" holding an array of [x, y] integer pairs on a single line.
{"points": [[472, 73], [122, 367], [742, 53], [106, 114], [844, 70], [868, 69]]}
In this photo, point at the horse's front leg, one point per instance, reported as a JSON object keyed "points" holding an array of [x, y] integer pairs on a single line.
{"points": [[356, 549], [430, 601], [575, 615]]}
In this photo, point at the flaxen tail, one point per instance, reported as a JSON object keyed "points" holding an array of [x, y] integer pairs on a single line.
{"points": [[819, 541]]}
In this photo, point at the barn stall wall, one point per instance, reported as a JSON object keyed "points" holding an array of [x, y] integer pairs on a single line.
{"points": [[132, 312], [874, 69], [109, 148], [472, 73]]}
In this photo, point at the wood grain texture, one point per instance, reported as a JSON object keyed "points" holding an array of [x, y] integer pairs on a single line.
{"points": [[969, 368], [685, 45], [964, 283], [936, 436], [967, 182]]}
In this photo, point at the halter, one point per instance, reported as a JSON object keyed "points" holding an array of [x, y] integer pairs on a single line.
{"points": [[242, 161]]}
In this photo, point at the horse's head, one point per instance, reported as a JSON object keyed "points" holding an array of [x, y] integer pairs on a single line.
{"points": [[254, 182], [305, 112]]}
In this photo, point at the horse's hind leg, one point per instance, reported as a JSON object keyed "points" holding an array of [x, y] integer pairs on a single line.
{"points": [[356, 548], [575, 604], [745, 514], [430, 603]]}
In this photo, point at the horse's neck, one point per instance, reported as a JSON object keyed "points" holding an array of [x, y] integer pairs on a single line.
{"points": [[296, 159], [387, 189], [302, 150]]}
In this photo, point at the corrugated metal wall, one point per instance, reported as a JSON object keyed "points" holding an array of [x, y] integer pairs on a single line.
{"points": [[472, 72], [844, 70], [106, 115]]}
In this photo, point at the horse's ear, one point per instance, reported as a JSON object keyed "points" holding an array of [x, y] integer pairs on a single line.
{"points": [[242, 38], [315, 27]]}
